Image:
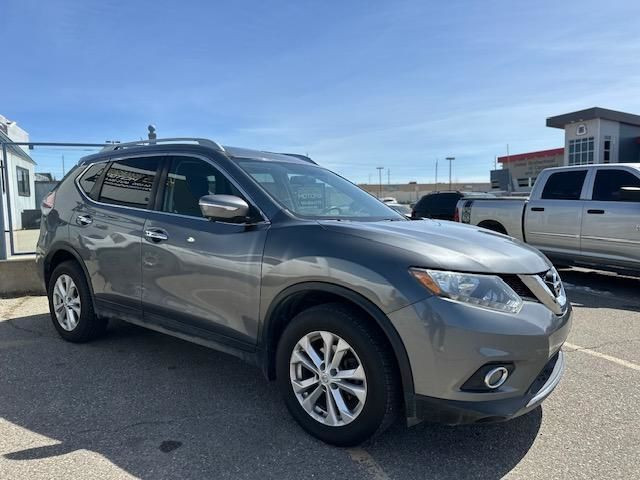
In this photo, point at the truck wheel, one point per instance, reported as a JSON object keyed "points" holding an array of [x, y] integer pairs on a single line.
{"points": [[71, 306], [336, 375]]}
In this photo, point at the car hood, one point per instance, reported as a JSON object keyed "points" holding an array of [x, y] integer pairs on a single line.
{"points": [[449, 245]]}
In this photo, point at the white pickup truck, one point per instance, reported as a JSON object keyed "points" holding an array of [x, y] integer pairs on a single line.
{"points": [[581, 215]]}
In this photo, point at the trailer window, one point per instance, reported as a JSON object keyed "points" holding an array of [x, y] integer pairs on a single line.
{"points": [[24, 189]]}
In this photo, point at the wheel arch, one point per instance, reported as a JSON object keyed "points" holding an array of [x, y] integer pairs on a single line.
{"points": [[494, 226], [62, 253], [301, 296]]}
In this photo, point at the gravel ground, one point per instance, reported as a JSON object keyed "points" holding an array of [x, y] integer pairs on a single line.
{"points": [[138, 404]]}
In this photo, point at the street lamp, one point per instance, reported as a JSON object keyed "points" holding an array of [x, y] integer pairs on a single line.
{"points": [[450, 159], [380, 181]]}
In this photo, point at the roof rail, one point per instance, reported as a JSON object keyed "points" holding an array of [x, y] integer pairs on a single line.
{"points": [[299, 156], [205, 142]]}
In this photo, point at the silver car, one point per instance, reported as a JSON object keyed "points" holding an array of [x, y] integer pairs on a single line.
{"points": [[359, 314]]}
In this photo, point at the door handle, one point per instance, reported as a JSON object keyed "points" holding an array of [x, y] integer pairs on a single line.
{"points": [[156, 235], [537, 209], [595, 212], [84, 220]]}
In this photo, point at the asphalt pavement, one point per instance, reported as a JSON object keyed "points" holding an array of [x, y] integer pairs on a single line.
{"points": [[139, 404]]}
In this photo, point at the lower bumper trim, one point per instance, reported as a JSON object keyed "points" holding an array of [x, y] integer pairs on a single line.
{"points": [[457, 412]]}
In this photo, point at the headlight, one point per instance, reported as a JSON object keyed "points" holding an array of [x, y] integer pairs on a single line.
{"points": [[488, 291]]}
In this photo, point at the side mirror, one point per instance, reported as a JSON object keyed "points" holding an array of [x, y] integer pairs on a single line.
{"points": [[630, 194], [223, 207]]}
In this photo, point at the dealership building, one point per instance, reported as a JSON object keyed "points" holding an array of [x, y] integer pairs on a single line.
{"points": [[594, 135]]}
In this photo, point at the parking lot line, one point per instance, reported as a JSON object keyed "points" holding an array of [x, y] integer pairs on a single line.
{"points": [[617, 360], [373, 468]]}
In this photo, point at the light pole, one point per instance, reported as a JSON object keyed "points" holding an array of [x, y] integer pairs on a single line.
{"points": [[380, 181], [450, 159]]}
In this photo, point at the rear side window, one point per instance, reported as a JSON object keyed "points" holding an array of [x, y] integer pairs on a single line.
{"points": [[89, 179], [609, 183], [445, 203], [564, 185], [424, 203], [130, 182]]}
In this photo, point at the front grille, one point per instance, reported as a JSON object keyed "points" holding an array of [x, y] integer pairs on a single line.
{"points": [[520, 288], [544, 375]]}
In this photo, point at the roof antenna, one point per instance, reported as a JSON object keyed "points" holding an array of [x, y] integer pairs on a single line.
{"points": [[152, 133]]}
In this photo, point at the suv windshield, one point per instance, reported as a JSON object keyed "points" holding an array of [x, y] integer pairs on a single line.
{"points": [[312, 192]]}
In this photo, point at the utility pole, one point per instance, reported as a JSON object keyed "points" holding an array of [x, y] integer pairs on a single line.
{"points": [[388, 176], [436, 174], [380, 181], [450, 159], [63, 172], [369, 182]]}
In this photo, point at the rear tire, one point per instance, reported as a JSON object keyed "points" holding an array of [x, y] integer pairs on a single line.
{"points": [[361, 377], [71, 305], [494, 227]]}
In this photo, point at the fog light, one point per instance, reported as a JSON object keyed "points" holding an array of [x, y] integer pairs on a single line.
{"points": [[496, 377]]}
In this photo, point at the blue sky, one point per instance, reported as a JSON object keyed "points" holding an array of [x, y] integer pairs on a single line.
{"points": [[355, 84]]}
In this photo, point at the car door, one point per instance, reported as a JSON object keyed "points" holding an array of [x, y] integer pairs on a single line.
{"points": [[106, 228], [611, 221], [553, 221], [199, 276]]}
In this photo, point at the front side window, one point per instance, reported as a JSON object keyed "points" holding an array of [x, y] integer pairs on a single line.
{"points": [[312, 192], [24, 188], [188, 180], [609, 184], [129, 182], [564, 185]]}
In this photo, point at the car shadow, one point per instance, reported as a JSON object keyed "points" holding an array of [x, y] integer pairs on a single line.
{"points": [[599, 289], [159, 407]]}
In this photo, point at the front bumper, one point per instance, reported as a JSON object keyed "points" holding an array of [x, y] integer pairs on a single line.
{"points": [[447, 342], [456, 412]]}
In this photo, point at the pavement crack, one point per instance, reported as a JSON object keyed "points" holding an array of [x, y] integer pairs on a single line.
{"points": [[23, 329]]}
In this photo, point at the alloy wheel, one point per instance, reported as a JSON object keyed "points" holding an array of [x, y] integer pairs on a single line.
{"points": [[328, 378], [66, 302]]}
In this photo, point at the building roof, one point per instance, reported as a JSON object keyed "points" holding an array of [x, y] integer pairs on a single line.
{"points": [[16, 150], [530, 155], [559, 121]]}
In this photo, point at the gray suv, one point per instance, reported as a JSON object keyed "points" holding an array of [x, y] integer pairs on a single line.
{"points": [[359, 314]]}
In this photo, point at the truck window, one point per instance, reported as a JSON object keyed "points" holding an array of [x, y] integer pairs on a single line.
{"points": [[564, 185], [608, 184]]}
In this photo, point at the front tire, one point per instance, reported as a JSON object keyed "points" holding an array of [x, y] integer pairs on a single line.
{"points": [[71, 305], [336, 375]]}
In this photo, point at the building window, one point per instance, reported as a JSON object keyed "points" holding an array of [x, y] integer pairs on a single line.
{"points": [[607, 149], [581, 151], [526, 181], [24, 189]]}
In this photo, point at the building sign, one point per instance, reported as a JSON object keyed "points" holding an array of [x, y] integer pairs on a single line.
{"points": [[581, 129], [531, 167]]}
